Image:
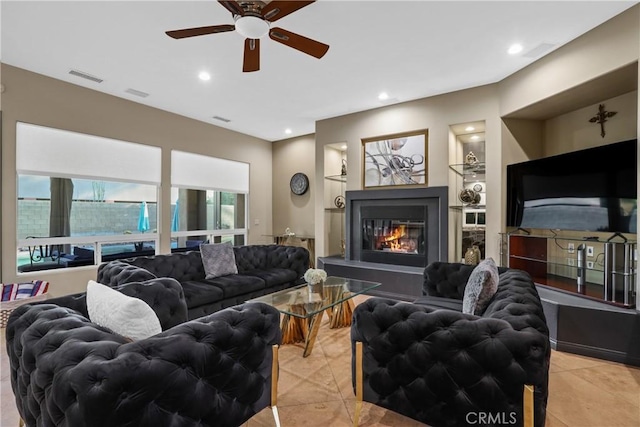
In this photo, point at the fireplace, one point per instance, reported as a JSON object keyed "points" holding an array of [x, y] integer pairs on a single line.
{"points": [[394, 234], [399, 226]]}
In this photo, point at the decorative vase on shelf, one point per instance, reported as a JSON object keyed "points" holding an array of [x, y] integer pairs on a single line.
{"points": [[470, 159], [343, 170], [476, 250], [472, 255]]}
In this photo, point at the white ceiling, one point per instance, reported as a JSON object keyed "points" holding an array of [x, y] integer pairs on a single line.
{"points": [[409, 49]]}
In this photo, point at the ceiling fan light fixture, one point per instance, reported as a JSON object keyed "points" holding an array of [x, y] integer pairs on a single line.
{"points": [[252, 27]]}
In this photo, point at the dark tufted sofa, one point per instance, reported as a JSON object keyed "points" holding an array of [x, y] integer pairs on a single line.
{"points": [[262, 269], [444, 368], [213, 371]]}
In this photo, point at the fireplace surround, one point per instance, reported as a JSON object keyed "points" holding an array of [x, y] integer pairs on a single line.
{"points": [[397, 226]]}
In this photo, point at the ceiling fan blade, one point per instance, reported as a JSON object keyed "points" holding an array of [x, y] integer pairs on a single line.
{"points": [[232, 7], [251, 60], [278, 9], [200, 31], [301, 43]]}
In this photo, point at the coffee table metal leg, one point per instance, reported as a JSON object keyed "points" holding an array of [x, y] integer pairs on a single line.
{"points": [[294, 329], [314, 326], [288, 328], [342, 314]]}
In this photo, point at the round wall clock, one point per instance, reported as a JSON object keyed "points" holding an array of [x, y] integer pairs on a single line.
{"points": [[477, 187], [299, 183]]}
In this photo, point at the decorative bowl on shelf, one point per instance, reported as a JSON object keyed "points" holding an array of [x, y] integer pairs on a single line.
{"points": [[469, 196]]}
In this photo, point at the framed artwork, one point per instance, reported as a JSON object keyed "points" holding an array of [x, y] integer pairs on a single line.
{"points": [[395, 160]]}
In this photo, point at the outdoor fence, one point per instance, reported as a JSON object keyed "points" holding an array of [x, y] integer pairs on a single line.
{"points": [[87, 218], [100, 218]]}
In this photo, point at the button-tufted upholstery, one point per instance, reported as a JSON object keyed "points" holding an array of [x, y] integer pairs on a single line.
{"points": [[164, 295], [213, 371], [262, 269], [438, 365], [447, 279], [118, 273]]}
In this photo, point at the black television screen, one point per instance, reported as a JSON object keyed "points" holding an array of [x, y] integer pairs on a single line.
{"points": [[591, 190]]}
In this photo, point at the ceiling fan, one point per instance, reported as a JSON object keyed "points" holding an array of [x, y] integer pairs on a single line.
{"points": [[253, 20]]}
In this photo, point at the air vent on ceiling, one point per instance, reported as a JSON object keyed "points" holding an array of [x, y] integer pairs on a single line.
{"points": [[222, 119], [137, 93], [539, 50], [85, 76]]}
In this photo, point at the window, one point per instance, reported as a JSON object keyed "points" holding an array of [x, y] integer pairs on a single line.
{"points": [[99, 207], [209, 200]]}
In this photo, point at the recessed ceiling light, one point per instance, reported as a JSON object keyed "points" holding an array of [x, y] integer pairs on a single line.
{"points": [[287, 131], [344, 147], [469, 128], [514, 48], [204, 76], [475, 137], [383, 96]]}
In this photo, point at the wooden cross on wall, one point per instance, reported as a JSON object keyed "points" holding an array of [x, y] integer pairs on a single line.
{"points": [[602, 117]]}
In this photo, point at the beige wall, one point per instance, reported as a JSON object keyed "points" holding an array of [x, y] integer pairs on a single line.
{"points": [[40, 100], [295, 212], [435, 114], [573, 131]]}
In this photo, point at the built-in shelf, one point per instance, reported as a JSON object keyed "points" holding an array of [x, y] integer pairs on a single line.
{"points": [[464, 169], [472, 216], [460, 207], [595, 239], [335, 183], [592, 268], [338, 178]]}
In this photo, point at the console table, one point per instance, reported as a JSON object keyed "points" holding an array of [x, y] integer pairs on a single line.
{"points": [[307, 242]]}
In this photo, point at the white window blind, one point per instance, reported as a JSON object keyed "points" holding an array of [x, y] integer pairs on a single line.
{"points": [[196, 171], [47, 151]]}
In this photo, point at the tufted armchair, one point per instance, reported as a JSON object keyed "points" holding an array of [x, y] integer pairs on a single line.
{"points": [[218, 370], [445, 368]]}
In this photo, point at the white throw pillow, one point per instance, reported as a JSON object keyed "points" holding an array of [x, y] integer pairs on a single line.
{"points": [[481, 286], [218, 259], [124, 315]]}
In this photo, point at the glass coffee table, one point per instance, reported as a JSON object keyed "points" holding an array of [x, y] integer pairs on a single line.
{"points": [[304, 306]]}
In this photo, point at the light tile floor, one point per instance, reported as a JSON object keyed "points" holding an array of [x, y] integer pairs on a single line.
{"points": [[316, 391]]}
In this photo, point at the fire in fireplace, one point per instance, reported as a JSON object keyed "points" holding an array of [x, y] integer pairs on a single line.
{"points": [[404, 236], [393, 234]]}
